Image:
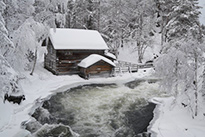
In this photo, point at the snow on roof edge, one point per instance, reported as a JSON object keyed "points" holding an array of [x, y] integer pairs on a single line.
{"points": [[64, 38], [92, 59], [108, 54]]}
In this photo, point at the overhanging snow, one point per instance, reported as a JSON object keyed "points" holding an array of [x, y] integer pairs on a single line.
{"points": [[92, 59], [108, 54]]}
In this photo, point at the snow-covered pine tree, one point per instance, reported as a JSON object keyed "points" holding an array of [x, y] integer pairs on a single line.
{"points": [[70, 21], [83, 14], [50, 13], [6, 44], [113, 22], [164, 9], [16, 12]]}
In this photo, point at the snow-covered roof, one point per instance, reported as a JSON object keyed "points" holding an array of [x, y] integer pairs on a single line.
{"points": [[108, 54], [92, 59], [77, 39]]}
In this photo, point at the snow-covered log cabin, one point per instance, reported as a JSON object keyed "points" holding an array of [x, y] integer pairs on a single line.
{"points": [[96, 65], [66, 48]]}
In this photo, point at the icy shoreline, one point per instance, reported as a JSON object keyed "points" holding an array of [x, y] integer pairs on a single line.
{"points": [[41, 86]]}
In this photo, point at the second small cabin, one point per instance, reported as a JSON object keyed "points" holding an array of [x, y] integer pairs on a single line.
{"points": [[96, 65]]}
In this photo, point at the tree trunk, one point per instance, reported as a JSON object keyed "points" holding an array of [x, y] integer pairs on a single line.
{"points": [[139, 42], [122, 39], [176, 75], [195, 84], [139, 52], [99, 16], [35, 59], [175, 84]]}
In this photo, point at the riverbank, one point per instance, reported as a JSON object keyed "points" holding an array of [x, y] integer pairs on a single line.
{"points": [[41, 85], [100, 110], [175, 120]]}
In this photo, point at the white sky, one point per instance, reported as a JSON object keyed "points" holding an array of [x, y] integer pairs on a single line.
{"points": [[202, 17]]}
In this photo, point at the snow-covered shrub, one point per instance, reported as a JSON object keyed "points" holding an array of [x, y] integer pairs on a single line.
{"points": [[26, 39], [8, 79]]}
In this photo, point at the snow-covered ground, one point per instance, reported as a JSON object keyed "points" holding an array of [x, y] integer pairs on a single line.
{"points": [[175, 121], [41, 85], [129, 52]]}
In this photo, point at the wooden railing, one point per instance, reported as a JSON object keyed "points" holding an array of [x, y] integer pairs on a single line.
{"points": [[122, 67]]}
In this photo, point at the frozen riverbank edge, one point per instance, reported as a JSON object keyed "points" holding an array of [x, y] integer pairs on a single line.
{"points": [[39, 87], [175, 120]]}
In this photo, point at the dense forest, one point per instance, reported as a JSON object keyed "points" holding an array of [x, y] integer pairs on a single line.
{"points": [[25, 24]]}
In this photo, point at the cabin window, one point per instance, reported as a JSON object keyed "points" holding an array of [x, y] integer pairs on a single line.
{"points": [[50, 64], [44, 43], [68, 53], [98, 68], [51, 50]]}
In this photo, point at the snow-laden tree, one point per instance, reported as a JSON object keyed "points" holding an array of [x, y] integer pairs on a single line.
{"points": [[50, 12], [184, 16], [83, 14], [8, 77], [70, 20], [179, 68], [27, 39], [144, 22], [183, 53], [169, 67], [124, 21], [116, 23], [164, 10], [175, 18], [6, 44], [28, 22], [16, 12], [9, 80]]}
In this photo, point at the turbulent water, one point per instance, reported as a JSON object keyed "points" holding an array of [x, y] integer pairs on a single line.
{"points": [[101, 110]]}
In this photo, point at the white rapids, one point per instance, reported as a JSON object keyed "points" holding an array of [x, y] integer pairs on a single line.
{"points": [[100, 110]]}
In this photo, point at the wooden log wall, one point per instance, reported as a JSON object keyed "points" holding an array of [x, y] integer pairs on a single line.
{"points": [[99, 68], [67, 60], [50, 59]]}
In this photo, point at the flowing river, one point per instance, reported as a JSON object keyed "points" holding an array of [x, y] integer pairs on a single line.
{"points": [[97, 110]]}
